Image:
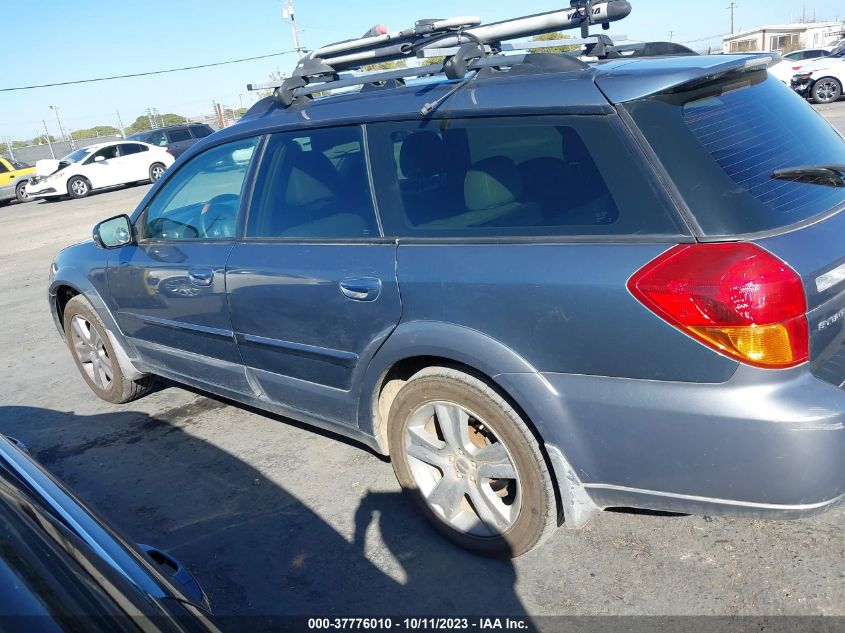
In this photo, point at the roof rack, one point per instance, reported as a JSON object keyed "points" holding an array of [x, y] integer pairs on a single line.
{"points": [[464, 41]]}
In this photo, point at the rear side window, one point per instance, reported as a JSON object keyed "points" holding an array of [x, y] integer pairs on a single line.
{"points": [[132, 148], [179, 135], [722, 142], [200, 131], [528, 176], [313, 185]]}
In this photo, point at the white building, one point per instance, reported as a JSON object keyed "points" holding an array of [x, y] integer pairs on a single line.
{"points": [[784, 38]]}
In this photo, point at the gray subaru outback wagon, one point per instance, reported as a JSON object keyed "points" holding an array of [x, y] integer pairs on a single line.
{"points": [[543, 286]]}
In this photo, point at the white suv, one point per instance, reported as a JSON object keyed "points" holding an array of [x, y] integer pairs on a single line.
{"points": [[823, 79]]}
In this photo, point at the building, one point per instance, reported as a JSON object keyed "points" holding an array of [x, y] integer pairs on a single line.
{"points": [[785, 38]]}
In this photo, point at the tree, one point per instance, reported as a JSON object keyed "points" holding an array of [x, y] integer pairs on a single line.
{"points": [[143, 123], [97, 130], [551, 37], [399, 63]]}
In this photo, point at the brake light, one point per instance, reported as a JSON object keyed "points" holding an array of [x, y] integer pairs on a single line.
{"points": [[735, 298]]}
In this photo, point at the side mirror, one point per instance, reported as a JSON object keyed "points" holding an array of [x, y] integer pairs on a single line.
{"points": [[99, 159], [114, 232]]}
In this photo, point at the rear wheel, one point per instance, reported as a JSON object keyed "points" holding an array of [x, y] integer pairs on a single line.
{"points": [[156, 171], [94, 355], [470, 464], [20, 192], [78, 187], [827, 90]]}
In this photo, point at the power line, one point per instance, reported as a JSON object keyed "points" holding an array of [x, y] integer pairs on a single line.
{"points": [[152, 72], [704, 39]]}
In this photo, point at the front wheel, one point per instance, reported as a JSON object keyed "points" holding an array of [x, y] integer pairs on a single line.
{"points": [[827, 90], [156, 171], [78, 187], [94, 355], [470, 464], [20, 192]]}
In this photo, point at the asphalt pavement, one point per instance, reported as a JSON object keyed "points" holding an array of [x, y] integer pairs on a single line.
{"points": [[276, 519]]}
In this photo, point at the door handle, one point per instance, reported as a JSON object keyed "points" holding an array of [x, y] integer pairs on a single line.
{"points": [[361, 289], [201, 276]]}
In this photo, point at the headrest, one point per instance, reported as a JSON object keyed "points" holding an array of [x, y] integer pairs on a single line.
{"points": [[422, 155], [313, 179], [492, 182]]}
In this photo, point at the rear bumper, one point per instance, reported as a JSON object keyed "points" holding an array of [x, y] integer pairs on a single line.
{"points": [[763, 444]]}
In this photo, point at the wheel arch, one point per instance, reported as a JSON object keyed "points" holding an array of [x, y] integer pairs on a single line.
{"points": [[416, 345]]}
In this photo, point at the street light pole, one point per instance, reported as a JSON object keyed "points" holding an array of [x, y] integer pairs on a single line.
{"points": [[59, 121], [289, 14]]}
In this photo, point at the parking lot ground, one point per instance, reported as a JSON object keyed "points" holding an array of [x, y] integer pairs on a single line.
{"points": [[278, 519]]}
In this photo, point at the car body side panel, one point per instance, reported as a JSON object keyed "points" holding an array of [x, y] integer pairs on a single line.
{"points": [[563, 307]]}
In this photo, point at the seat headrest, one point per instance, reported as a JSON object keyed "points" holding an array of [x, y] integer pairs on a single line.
{"points": [[422, 155], [492, 182], [313, 179]]}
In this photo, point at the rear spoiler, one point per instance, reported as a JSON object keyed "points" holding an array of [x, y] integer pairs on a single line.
{"points": [[645, 78]]}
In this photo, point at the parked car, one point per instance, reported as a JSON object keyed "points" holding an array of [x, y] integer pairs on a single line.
{"points": [[96, 167], [13, 179], [545, 289], [175, 138], [791, 63], [61, 563], [822, 80]]}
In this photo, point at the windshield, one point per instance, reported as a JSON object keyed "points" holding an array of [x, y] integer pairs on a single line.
{"points": [[722, 142], [78, 155]]}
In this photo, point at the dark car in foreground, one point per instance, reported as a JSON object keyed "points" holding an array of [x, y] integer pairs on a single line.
{"points": [[543, 287], [176, 138], [62, 568]]}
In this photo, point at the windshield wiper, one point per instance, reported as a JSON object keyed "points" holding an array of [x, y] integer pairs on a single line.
{"points": [[828, 175]]}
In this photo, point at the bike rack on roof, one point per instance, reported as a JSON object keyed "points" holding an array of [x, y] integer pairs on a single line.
{"points": [[465, 44]]}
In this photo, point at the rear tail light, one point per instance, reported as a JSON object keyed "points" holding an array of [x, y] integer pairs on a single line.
{"points": [[735, 298]]}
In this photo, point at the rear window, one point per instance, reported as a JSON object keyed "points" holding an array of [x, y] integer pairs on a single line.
{"points": [[516, 176], [721, 143]]}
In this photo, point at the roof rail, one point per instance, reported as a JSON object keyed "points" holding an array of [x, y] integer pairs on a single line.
{"points": [[464, 41]]}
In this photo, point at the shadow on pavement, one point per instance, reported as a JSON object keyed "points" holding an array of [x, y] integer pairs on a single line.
{"points": [[257, 550]]}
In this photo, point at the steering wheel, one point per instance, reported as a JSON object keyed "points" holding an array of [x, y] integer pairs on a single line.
{"points": [[219, 215]]}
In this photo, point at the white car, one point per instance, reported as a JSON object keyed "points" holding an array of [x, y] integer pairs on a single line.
{"points": [[98, 166], [791, 63], [822, 80]]}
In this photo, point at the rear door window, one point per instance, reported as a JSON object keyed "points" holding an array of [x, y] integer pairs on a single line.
{"points": [[200, 131], [520, 176], [313, 185], [722, 141], [178, 135]]}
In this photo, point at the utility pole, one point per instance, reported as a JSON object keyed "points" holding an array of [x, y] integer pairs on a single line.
{"points": [[731, 8], [120, 125], [47, 136], [289, 14], [9, 145], [671, 35]]}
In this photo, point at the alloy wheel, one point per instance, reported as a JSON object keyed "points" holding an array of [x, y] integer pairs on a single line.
{"points": [[464, 472], [91, 352], [156, 172], [827, 91], [79, 187]]}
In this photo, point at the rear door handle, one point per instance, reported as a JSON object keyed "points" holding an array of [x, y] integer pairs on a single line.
{"points": [[361, 289], [201, 276]]}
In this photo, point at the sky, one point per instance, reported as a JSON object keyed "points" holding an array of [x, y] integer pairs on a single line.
{"points": [[56, 40]]}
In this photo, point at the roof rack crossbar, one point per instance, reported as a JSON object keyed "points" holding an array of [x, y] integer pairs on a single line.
{"points": [[348, 81], [463, 39]]}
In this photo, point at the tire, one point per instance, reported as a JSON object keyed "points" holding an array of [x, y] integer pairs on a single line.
{"points": [[21, 194], [520, 511], [826, 90], [94, 355], [157, 171], [78, 187]]}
